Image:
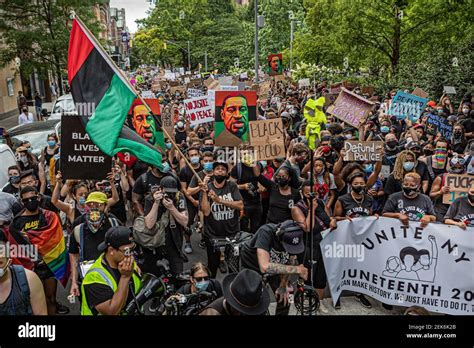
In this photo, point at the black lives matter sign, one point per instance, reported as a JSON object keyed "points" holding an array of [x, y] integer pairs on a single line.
{"points": [[80, 158]]}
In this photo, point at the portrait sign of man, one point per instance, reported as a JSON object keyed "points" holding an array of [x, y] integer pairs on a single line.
{"points": [[233, 112], [275, 66], [144, 124]]}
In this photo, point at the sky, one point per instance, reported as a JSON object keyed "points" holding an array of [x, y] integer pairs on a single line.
{"points": [[134, 9]]}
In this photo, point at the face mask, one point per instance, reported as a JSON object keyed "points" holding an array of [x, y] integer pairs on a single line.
{"points": [[32, 205], [469, 196], [208, 166], [282, 182], [465, 111], [51, 143], [428, 152], [358, 189], [391, 144], [408, 166], [24, 159], [94, 219], [194, 159], [15, 179], [166, 167], [263, 163], [168, 145], [368, 168], [180, 124], [384, 129], [220, 178], [202, 286], [82, 200], [348, 136], [409, 191], [201, 135], [457, 134], [208, 148]]}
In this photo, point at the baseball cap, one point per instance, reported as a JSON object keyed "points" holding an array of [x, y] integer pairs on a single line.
{"points": [[169, 184], [431, 104], [97, 197], [292, 237], [217, 163], [115, 237]]}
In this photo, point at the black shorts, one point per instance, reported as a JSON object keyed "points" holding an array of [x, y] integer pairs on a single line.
{"points": [[43, 272]]}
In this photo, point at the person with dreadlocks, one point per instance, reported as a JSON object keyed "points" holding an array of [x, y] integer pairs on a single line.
{"points": [[405, 163]]}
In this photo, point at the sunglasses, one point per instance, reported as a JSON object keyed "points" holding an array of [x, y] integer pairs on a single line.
{"points": [[200, 279], [458, 160]]}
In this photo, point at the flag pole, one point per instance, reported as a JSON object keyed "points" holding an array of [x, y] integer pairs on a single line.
{"points": [[129, 85]]}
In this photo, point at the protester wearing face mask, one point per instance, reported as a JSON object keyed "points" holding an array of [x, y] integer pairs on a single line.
{"points": [[21, 291], [404, 164], [428, 150], [79, 194], [457, 165], [458, 140], [461, 211], [297, 160], [34, 225], [392, 149], [356, 203], [185, 176], [420, 167], [49, 151], [28, 178], [208, 145], [410, 204], [25, 116], [180, 133], [200, 280], [437, 162], [13, 186]]}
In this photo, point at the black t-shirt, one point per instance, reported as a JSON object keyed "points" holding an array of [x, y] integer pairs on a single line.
{"points": [[180, 137], [91, 240], [186, 175], [99, 293], [461, 210], [223, 221], [422, 169], [151, 181], [321, 223], [28, 222], [245, 175], [11, 190], [353, 209], [265, 238], [391, 155], [415, 208], [280, 205]]}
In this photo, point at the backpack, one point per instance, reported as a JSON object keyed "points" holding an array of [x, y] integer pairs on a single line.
{"points": [[151, 239]]}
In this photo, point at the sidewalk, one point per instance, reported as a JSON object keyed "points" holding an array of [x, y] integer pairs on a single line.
{"points": [[12, 121]]}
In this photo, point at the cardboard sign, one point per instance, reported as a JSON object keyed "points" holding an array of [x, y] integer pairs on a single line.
{"points": [[264, 88], [180, 89], [351, 108], [420, 93], [449, 90], [368, 90], [304, 83], [275, 64], [167, 120], [225, 81], [267, 139], [148, 95], [435, 124], [363, 150], [208, 82], [244, 76], [80, 158], [198, 110], [459, 186], [194, 93], [407, 105], [337, 87]]}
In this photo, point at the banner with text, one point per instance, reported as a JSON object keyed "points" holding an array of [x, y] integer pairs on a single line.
{"points": [[407, 105], [401, 265], [350, 108], [435, 124], [363, 150], [198, 110], [194, 93]]}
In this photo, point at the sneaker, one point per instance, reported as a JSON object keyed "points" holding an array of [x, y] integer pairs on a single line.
{"points": [[60, 309], [387, 307], [187, 248], [322, 308], [364, 301], [338, 304], [223, 267], [202, 245]]}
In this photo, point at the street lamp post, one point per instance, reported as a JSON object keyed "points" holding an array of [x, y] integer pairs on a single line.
{"points": [[256, 41], [291, 44], [189, 57]]}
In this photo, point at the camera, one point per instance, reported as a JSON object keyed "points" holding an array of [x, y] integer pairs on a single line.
{"points": [[252, 190]]}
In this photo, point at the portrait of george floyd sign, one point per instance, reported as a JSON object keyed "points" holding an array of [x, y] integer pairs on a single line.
{"points": [[350, 108], [198, 110], [459, 186], [267, 139], [80, 158], [401, 265], [407, 105], [363, 150]]}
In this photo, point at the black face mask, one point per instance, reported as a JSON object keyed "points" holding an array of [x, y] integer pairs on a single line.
{"points": [[220, 178], [471, 198], [358, 189], [428, 152], [32, 205], [207, 148], [409, 191], [282, 182], [391, 144], [14, 179]]}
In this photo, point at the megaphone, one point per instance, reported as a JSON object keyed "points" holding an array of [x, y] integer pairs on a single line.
{"points": [[152, 286]]}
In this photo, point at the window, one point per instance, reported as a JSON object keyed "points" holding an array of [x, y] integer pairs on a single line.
{"points": [[11, 92]]}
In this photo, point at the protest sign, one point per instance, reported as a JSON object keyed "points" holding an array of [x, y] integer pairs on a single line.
{"points": [[303, 83], [194, 93], [211, 97], [385, 172], [336, 88], [180, 89], [208, 81], [233, 112], [167, 120], [263, 89], [407, 105], [169, 75], [198, 110], [275, 64], [402, 265], [449, 90], [435, 124], [368, 90], [148, 94], [228, 88], [267, 139], [420, 93], [225, 80], [244, 75], [79, 157], [363, 150], [459, 186], [187, 80], [241, 86], [350, 108]]}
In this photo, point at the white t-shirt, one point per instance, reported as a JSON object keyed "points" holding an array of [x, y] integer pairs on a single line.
{"points": [[23, 119]]}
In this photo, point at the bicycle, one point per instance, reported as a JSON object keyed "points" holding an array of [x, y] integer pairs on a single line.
{"points": [[190, 304], [230, 248]]}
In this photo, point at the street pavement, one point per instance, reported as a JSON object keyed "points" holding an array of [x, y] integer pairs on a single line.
{"points": [[12, 121]]}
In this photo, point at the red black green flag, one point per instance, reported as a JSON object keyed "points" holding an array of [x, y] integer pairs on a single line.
{"points": [[96, 82]]}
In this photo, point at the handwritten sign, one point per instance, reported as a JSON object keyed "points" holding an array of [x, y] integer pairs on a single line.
{"points": [[351, 108], [407, 105], [420, 93], [194, 93], [303, 83], [449, 90], [148, 95], [198, 110], [180, 89], [267, 139], [435, 124], [363, 150], [459, 186]]}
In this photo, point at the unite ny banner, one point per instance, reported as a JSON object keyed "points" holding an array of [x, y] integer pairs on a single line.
{"points": [[430, 267]]}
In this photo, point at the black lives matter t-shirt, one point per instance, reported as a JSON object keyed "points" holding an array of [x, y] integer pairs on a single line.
{"points": [[353, 209], [462, 211], [414, 208], [266, 239], [223, 221]]}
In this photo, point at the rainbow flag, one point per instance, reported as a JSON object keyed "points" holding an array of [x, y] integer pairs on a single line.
{"points": [[52, 246]]}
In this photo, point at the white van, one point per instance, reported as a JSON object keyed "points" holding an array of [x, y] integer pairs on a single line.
{"points": [[7, 159]]}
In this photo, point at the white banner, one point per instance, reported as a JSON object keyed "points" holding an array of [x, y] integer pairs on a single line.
{"points": [[194, 93], [211, 97], [431, 267], [198, 110]]}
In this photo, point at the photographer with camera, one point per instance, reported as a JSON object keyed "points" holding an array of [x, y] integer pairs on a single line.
{"points": [[113, 280]]}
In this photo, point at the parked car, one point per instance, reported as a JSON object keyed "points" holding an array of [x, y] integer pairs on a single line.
{"points": [[36, 133], [7, 159], [63, 105]]}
